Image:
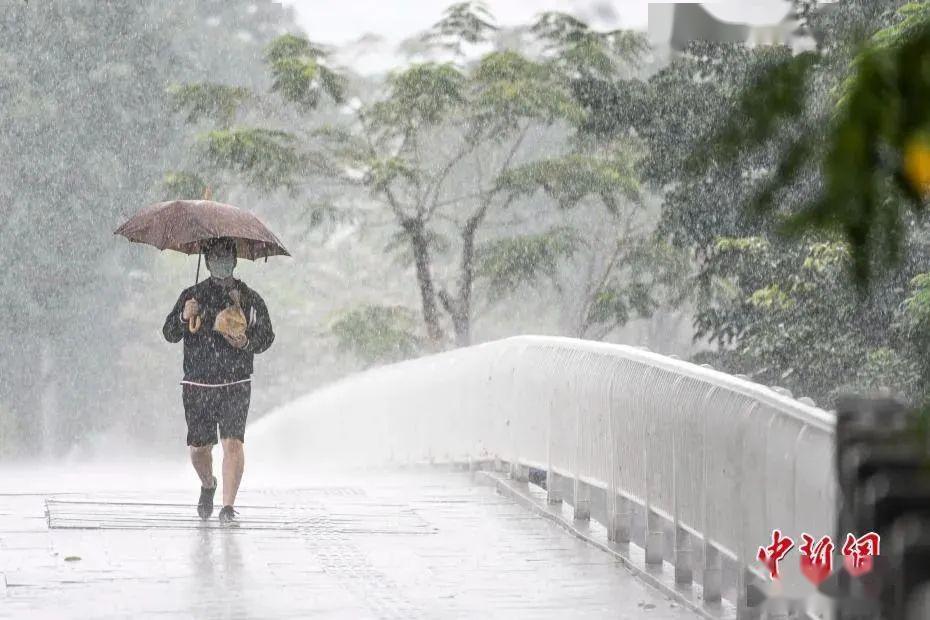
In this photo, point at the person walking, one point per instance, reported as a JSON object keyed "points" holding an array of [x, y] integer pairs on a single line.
{"points": [[223, 324]]}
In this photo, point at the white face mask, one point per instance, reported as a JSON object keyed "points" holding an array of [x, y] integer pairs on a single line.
{"points": [[221, 266]]}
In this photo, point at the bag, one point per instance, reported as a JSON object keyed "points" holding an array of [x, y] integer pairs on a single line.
{"points": [[231, 321]]}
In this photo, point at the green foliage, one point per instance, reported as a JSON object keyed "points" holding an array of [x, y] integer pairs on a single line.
{"points": [[510, 88], [383, 172], [788, 314], [183, 185], [870, 154], [582, 51], [570, 179], [217, 102], [464, 22], [614, 305], [508, 263], [645, 275], [885, 369], [774, 97], [423, 95], [915, 312], [300, 73], [291, 46], [268, 159], [377, 334]]}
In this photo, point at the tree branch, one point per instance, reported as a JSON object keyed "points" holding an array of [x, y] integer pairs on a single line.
{"points": [[611, 263], [441, 178]]}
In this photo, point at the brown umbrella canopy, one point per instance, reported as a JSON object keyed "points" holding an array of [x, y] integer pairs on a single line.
{"points": [[183, 225]]}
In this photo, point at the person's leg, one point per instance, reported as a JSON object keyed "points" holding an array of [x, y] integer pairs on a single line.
{"points": [[202, 460], [235, 411], [233, 466], [201, 437]]}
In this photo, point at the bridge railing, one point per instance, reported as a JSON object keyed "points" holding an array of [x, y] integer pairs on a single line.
{"points": [[697, 466]]}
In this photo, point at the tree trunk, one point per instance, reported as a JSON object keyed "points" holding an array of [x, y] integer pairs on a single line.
{"points": [[48, 400], [415, 232], [459, 307], [461, 318]]}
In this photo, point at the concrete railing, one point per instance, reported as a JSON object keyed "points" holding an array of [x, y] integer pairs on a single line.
{"points": [[697, 466]]}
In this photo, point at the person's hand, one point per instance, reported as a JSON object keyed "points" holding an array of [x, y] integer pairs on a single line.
{"points": [[237, 342], [191, 309]]}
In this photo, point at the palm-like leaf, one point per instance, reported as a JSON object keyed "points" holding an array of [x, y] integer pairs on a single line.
{"points": [[300, 74], [570, 179], [509, 88], [506, 264], [465, 22], [217, 102], [268, 159]]}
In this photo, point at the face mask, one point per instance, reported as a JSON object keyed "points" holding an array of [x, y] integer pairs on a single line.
{"points": [[221, 266]]}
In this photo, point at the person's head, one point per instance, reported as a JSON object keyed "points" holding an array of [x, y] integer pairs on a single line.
{"points": [[220, 255]]}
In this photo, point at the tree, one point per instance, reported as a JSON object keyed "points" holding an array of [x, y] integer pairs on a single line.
{"points": [[869, 144], [443, 149], [843, 171], [787, 314]]}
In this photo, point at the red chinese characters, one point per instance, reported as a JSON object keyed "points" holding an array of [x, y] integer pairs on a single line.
{"points": [[858, 553], [816, 560], [774, 553]]}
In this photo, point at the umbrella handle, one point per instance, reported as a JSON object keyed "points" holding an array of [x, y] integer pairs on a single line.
{"points": [[194, 324]]}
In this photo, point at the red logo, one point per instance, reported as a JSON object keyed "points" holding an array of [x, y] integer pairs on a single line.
{"points": [[774, 553], [858, 553], [816, 560]]}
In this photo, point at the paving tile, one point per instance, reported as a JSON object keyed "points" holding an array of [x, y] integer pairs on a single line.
{"points": [[383, 545]]}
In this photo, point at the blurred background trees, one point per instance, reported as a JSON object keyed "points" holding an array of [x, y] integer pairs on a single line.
{"points": [[544, 178]]}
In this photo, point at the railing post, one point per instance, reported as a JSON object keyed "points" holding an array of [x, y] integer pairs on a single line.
{"points": [[553, 495], [748, 607], [684, 574], [581, 494], [655, 539], [620, 521], [713, 575], [618, 511], [654, 536], [582, 500]]}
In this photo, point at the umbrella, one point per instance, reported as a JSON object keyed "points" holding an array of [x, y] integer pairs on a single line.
{"points": [[184, 226]]}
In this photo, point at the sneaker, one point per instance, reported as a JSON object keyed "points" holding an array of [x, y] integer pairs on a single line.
{"points": [[229, 517], [205, 505]]}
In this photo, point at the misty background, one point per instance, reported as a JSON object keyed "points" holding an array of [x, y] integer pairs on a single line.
{"points": [[590, 225]]}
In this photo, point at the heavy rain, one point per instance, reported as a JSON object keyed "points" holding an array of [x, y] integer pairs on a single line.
{"points": [[500, 309]]}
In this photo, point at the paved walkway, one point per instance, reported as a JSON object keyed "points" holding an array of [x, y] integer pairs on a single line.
{"points": [[414, 545]]}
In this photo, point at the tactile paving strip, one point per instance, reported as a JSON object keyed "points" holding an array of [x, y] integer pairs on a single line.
{"points": [[340, 557], [356, 517]]}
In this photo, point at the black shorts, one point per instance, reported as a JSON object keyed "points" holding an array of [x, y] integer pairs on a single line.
{"points": [[205, 408]]}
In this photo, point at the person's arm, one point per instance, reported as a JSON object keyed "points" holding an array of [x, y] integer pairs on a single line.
{"points": [[259, 330], [174, 323]]}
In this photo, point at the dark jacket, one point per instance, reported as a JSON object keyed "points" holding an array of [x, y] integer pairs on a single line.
{"points": [[208, 358]]}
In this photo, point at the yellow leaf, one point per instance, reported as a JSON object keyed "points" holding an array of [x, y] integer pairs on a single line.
{"points": [[917, 163]]}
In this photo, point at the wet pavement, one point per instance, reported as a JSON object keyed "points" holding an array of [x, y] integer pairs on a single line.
{"points": [[379, 545]]}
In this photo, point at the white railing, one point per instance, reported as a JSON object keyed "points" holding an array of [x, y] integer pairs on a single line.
{"points": [[724, 459]]}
